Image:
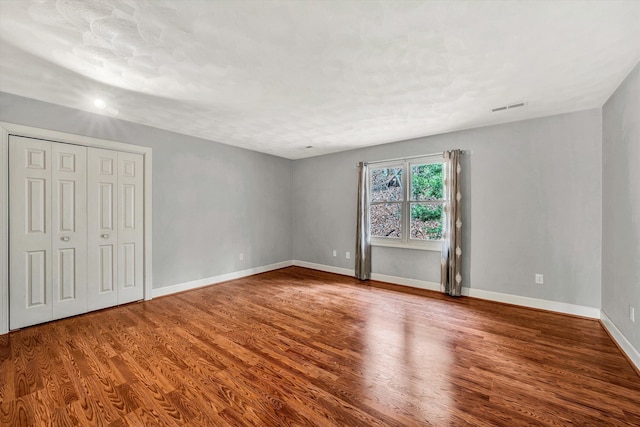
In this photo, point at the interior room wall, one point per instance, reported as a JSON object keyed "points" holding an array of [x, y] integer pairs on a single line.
{"points": [[211, 201], [532, 204], [621, 207]]}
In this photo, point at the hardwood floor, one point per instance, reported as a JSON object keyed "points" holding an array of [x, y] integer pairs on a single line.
{"points": [[301, 347]]}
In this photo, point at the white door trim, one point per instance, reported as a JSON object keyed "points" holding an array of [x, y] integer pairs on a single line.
{"points": [[4, 230], [7, 129]]}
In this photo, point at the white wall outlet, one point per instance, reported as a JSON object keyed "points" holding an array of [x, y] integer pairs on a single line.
{"points": [[632, 313], [539, 279], [348, 255], [335, 253], [241, 256]]}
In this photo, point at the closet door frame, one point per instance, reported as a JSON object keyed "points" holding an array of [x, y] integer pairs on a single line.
{"points": [[7, 129]]}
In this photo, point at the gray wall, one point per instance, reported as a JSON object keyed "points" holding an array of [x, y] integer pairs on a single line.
{"points": [[210, 201], [621, 206], [532, 204]]}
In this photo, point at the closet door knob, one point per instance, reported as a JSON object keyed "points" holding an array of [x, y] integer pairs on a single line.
{"points": [[65, 238], [104, 236]]}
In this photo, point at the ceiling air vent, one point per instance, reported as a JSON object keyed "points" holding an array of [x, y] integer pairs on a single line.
{"points": [[509, 107]]}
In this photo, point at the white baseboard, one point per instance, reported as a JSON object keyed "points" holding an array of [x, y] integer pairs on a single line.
{"points": [[420, 284], [543, 304], [327, 268], [413, 283], [632, 353], [194, 284], [559, 307]]}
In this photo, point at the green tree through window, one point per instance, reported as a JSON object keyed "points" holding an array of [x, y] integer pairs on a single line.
{"points": [[426, 185]]}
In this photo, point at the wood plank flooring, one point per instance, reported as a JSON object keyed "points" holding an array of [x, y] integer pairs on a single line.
{"points": [[297, 347]]}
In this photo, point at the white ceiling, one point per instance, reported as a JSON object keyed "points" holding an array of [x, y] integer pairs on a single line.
{"points": [[277, 76]]}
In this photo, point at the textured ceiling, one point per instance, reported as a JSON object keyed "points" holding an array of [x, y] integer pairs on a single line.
{"points": [[277, 76]]}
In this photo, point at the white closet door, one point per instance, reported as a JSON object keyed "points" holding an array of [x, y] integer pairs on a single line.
{"points": [[76, 229], [102, 182], [130, 228], [69, 229], [30, 232]]}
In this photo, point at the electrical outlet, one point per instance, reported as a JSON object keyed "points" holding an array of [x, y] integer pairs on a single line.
{"points": [[348, 255], [241, 256], [335, 253], [539, 279], [632, 313]]}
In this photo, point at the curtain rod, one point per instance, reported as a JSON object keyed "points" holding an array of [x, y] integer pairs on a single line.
{"points": [[462, 152]]}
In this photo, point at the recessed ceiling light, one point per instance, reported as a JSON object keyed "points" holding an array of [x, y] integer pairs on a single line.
{"points": [[100, 104]]}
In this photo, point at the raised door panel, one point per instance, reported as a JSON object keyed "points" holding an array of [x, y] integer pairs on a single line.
{"points": [[102, 228], [30, 265], [37, 203], [69, 285], [69, 233], [130, 228], [36, 279]]}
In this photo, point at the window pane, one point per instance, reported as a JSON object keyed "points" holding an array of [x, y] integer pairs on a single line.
{"points": [[386, 220], [426, 221], [386, 184], [426, 182]]}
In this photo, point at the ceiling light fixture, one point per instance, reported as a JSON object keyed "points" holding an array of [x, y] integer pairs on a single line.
{"points": [[100, 104]]}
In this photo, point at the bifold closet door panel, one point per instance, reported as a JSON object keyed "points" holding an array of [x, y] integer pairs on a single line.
{"points": [[30, 267], [69, 229], [130, 228], [102, 225]]}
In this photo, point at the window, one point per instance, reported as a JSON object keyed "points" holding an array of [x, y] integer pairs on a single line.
{"points": [[406, 203]]}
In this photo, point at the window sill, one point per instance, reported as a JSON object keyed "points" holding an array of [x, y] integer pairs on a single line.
{"points": [[434, 245]]}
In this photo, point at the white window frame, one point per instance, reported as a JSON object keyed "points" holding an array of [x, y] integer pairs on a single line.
{"points": [[405, 241]]}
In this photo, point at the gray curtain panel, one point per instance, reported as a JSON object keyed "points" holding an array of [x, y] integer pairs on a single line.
{"points": [[451, 277], [363, 239]]}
